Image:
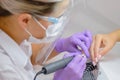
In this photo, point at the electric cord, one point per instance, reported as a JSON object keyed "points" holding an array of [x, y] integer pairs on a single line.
{"points": [[40, 72]]}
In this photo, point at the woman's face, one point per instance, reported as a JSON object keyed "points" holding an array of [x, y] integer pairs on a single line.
{"points": [[36, 30]]}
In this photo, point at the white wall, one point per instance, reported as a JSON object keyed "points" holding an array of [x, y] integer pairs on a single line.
{"points": [[108, 8], [98, 16]]}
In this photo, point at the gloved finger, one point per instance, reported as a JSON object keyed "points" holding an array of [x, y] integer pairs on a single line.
{"points": [[82, 66], [85, 40], [71, 45], [76, 65], [70, 54], [84, 48], [82, 71], [72, 66], [82, 63], [57, 74], [74, 48], [82, 37], [88, 34], [75, 61]]}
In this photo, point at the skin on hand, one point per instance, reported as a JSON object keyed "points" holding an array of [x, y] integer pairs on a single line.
{"points": [[102, 43]]}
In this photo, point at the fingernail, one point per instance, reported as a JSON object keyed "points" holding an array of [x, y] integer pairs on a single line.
{"points": [[94, 63], [96, 59], [99, 57]]}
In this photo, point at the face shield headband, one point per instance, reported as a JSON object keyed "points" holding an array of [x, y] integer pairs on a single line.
{"points": [[49, 0]]}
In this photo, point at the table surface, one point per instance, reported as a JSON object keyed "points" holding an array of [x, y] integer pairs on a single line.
{"points": [[110, 64]]}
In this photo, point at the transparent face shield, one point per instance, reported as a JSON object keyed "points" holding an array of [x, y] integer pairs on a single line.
{"points": [[48, 43], [53, 33]]}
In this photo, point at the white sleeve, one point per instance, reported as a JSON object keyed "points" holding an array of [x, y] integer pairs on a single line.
{"points": [[8, 72]]}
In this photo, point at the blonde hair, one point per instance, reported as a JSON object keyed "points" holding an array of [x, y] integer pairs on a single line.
{"points": [[9, 7]]}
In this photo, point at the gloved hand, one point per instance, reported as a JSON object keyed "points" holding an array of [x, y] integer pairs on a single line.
{"points": [[82, 40], [74, 70]]}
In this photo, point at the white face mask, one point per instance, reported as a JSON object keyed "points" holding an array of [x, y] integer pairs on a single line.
{"points": [[52, 32], [26, 47]]}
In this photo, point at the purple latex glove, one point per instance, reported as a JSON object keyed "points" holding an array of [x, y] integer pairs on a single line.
{"points": [[74, 70], [70, 44]]}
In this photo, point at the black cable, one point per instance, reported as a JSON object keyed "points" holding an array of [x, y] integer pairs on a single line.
{"points": [[38, 73]]}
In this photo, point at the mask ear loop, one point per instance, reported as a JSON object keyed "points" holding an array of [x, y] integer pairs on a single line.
{"points": [[39, 23], [28, 32]]}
